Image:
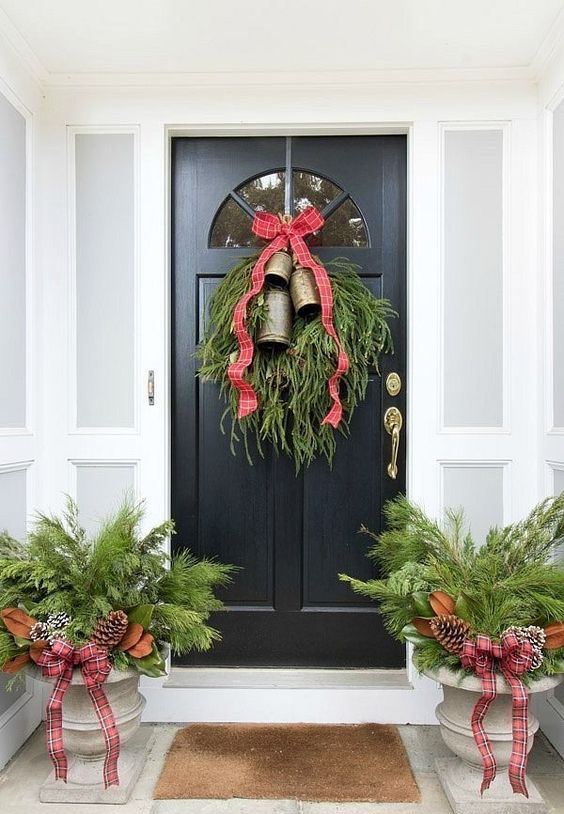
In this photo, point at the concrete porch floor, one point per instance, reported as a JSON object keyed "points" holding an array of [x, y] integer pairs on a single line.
{"points": [[21, 779]]}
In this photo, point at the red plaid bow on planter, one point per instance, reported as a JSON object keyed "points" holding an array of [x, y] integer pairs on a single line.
{"points": [[284, 233], [58, 661], [513, 658]]}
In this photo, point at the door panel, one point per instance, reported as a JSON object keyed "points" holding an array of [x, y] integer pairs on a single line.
{"points": [[290, 535]]}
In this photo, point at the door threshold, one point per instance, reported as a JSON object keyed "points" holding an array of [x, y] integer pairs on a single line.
{"points": [[286, 678]]}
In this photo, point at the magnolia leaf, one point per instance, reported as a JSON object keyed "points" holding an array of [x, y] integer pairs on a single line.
{"points": [[462, 607], [22, 642], [411, 634], [15, 664], [422, 605], [142, 614], [554, 636], [131, 636], [442, 604], [423, 627], [143, 647], [152, 665], [36, 648], [17, 621]]}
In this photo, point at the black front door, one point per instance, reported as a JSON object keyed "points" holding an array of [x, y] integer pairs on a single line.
{"points": [[290, 535]]}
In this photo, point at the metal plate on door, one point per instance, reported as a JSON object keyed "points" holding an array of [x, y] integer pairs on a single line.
{"points": [[393, 384]]}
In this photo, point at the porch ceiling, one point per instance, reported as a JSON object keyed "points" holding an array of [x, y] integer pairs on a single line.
{"points": [[176, 36]]}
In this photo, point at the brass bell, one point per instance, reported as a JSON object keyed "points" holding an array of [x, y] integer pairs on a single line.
{"points": [[278, 269], [277, 327], [304, 292]]}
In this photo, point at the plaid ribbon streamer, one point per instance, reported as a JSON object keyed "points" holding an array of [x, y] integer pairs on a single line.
{"points": [[513, 657], [283, 234], [58, 662]]}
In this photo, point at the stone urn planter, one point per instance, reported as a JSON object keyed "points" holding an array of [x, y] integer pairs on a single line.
{"points": [[84, 741], [461, 776]]}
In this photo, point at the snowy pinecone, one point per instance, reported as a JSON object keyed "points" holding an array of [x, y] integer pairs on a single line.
{"points": [[39, 632], [536, 636], [57, 623]]}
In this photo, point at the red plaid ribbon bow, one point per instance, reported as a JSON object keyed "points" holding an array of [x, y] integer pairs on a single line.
{"points": [[513, 657], [284, 234], [58, 662]]}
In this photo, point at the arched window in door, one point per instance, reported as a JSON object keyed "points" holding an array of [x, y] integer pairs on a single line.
{"points": [[344, 223]]}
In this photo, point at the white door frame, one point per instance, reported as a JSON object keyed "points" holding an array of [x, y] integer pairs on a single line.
{"points": [[298, 695]]}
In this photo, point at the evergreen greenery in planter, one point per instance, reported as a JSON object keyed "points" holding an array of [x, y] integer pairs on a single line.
{"points": [[118, 589], [438, 587]]}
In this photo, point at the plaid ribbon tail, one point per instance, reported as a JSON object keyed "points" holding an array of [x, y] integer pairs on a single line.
{"points": [[111, 734], [520, 717], [477, 722], [54, 725], [248, 401], [323, 283]]}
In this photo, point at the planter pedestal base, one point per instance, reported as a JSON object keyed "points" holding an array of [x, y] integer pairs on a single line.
{"points": [[84, 784], [461, 785]]}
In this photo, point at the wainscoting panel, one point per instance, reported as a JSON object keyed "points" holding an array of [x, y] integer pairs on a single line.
{"points": [[100, 487], [479, 490], [472, 260]]}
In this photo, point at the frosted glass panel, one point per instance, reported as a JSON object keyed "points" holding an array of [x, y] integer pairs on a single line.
{"points": [[479, 491], [473, 291], [12, 266], [558, 264], [101, 489], [105, 203]]}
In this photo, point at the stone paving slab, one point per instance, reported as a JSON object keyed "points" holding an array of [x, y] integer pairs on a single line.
{"points": [[21, 779], [235, 806]]}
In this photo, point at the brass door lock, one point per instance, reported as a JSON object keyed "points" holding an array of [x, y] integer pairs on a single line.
{"points": [[393, 423], [393, 384]]}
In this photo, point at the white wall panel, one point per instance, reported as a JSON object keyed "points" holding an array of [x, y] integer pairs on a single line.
{"points": [[100, 488], [105, 279], [479, 491], [12, 266], [558, 481], [473, 278], [13, 510], [558, 265]]}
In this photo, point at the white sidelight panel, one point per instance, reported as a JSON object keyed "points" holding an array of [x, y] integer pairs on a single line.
{"points": [[558, 265], [472, 214], [101, 487], [105, 279], [479, 490], [12, 266]]}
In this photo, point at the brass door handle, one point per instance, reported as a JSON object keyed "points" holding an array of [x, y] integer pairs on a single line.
{"points": [[393, 423]]}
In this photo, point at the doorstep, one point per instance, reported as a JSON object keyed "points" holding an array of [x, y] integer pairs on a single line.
{"points": [[281, 678], [20, 782]]}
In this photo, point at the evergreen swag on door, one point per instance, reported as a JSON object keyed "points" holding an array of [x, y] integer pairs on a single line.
{"points": [[307, 381]]}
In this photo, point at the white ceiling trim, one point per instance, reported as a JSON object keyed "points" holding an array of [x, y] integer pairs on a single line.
{"points": [[288, 78], [22, 50], [547, 52], [548, 49]]}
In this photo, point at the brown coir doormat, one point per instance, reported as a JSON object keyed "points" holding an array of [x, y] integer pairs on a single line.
{"points": [[359, 763]]}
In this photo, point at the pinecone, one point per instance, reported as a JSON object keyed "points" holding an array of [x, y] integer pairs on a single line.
{"points": [[57, 623], [109, 631], [39, 632], [536, 636], [450, 631]]}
